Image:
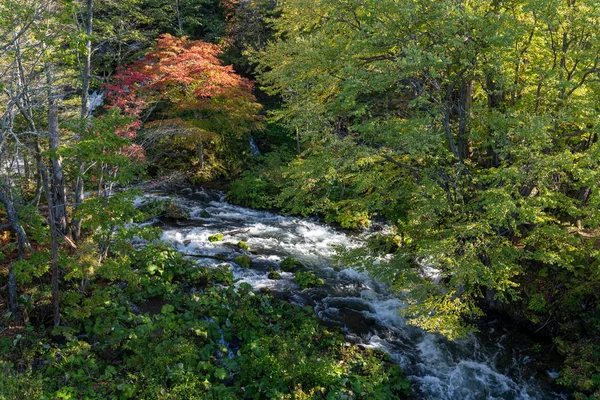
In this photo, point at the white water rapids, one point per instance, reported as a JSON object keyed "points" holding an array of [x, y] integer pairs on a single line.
{"points": [[489, 366]]}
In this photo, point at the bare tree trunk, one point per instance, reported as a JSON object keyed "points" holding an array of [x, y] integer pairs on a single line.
{"points": [[22, 245], [58, 185], [54, 245], [179, 19], [200, 150], [85, 78], [85, 88], [466, 101]]}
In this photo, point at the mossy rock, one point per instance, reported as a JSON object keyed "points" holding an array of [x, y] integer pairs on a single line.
{"points": [[205, 214], [308, 279], [243, 261], [274, 275], [290, 264], [176, 211], [217, 237], [155, 207], [243, 245]]}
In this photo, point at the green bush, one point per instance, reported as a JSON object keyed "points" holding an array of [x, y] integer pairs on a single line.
{"points": [[243, 261], [220, 342], [274, 275], [290, 264], [307, 279]]}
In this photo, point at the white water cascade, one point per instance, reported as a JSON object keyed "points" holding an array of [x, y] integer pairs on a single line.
{"points": [[493, 365]]}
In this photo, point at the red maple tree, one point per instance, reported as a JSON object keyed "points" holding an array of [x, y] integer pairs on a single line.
{"points": [[192, 86]]}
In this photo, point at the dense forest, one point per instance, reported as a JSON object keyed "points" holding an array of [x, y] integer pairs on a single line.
{"points": [[457, 139]]}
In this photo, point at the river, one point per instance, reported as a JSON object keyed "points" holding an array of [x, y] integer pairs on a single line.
{"points": [[498, 363]]}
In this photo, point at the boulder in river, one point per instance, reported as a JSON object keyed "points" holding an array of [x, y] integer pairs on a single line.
{"points": [[205, 214], [176, 211]]}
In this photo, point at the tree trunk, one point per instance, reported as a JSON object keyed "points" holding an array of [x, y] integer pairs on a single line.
{"points": [[22, 245], [200, 150], [58, 186], [85, 76], [85, 88], [466, 101], [54, 246], [179, 19]]}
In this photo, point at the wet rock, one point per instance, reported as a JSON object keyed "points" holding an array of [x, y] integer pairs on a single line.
{"points": [[349, 303], [356, 321], [175, 211], [205, 214]]}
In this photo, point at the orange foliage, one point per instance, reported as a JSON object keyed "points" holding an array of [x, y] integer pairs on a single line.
{"points": [[183, 72]]}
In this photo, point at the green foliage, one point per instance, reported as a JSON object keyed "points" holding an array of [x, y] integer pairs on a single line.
{"points": [[251, 191], [243, 261], [581, 368], [274, 275], [290, 264], [213, 342], [465, 127], [243, 245], [307, 279]]}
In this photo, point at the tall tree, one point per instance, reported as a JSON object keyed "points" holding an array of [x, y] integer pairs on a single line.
{"points": [[470, 126]]}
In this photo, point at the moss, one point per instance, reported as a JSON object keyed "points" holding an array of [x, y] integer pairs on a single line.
{"points": [[243, 245], [243, 261], [290, 264], [176, 211], [274, 275], [217, 237]]}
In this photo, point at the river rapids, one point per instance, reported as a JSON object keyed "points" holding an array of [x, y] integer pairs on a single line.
{"points": [[497, 363]]}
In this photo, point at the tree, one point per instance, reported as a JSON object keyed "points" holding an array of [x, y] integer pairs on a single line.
{"points": [[189, 97], [476, 117]]}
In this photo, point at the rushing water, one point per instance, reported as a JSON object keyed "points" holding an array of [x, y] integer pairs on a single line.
{"points": [[497, 364]]}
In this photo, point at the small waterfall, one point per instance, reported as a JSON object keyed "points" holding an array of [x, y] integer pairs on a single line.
{"points": [[254, 148]]}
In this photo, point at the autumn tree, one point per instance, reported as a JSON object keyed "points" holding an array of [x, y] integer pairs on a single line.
{"points": [[191, 101]]}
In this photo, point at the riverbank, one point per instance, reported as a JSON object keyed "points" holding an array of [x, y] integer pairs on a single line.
{"points": [[150, 323]]}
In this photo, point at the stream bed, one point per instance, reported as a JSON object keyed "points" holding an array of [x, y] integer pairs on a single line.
{"points": [[498, 363]]}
